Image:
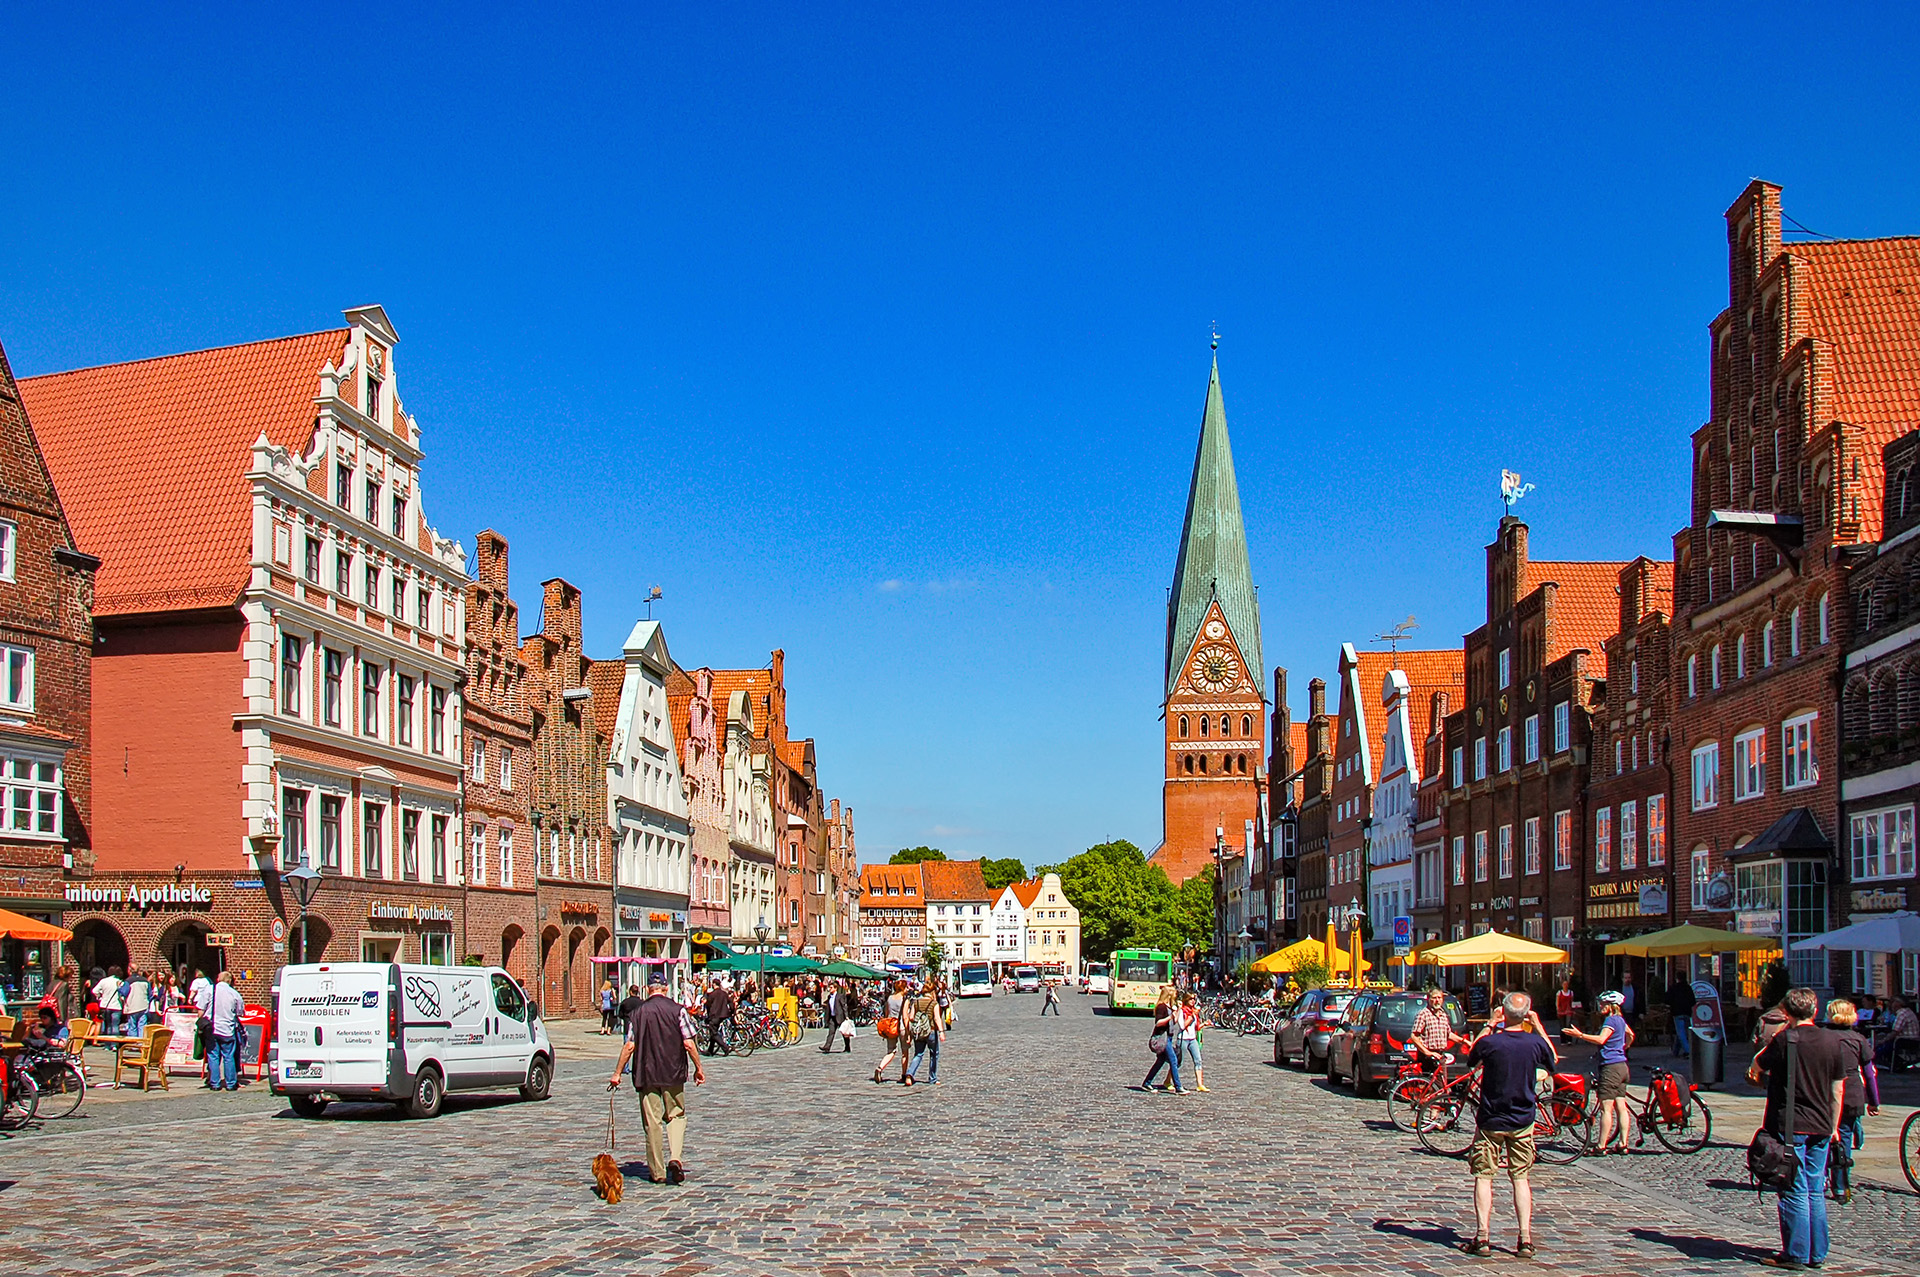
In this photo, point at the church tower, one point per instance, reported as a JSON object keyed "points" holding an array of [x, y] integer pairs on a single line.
{"points": [[1214, 708]]}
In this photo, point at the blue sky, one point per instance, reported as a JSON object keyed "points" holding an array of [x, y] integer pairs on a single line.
{"points": [[882, 337]]}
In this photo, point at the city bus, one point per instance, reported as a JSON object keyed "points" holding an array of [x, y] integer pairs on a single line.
{"points": [[976, 980], [1138, 977]]}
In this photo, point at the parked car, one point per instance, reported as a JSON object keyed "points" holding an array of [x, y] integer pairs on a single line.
{"points": [[1370, 1043], [1301, 1035]]}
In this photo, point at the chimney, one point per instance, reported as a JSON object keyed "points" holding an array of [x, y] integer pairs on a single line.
{"points": [[1319, 741], [1753, 238], [561, 619], [1506, 567], [490, 552]]}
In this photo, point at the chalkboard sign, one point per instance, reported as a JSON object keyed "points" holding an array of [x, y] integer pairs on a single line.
{"points": [[1477, 1002]]}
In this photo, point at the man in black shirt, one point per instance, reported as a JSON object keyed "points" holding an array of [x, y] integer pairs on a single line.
{"points": [[1819, 1077], [1508, 1058], [1680, 1003]]}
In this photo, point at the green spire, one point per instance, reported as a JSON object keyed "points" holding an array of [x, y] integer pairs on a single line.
{"points": [[1213, 551]]}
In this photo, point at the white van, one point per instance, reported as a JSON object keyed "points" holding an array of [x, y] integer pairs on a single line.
{"points": [[1026, 979], [403, 1034]]}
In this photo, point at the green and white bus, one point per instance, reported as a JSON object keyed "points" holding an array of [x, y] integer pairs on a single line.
{"points": [[1138, 977]]}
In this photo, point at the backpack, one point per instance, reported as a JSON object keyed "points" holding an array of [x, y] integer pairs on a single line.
{"points": [[920, 1024], [1772, 1162]]}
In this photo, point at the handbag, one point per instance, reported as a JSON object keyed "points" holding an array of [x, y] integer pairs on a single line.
{"points": [[1773, 1162], [846, 1029], [887, 1026]]}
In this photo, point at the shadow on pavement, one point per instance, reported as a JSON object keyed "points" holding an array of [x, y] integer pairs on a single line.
{"points": [[1432, 1234], [366, 1111], [1702, 1247]]}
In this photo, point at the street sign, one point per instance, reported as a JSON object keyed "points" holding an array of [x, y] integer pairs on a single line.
{"points": [[1402, 937], [219, 940]]}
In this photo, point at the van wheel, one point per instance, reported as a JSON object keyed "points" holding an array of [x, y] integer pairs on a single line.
{"points": [[539, 1079], [307, 1105], [425, 1101]]}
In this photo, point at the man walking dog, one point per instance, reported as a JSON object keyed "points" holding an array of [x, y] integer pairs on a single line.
{"points": [[660, 1042]]}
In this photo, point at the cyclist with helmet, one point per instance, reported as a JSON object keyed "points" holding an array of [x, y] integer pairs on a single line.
{"points": [[1613, 1039]]}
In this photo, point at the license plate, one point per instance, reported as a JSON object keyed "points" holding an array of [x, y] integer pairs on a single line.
{"points": [[303, 1070]]}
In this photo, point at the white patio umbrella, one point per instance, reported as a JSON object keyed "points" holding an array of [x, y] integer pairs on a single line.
{"points": [[1895, 933]]}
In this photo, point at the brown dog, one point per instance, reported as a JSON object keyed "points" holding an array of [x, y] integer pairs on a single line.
{"points": [[607, 1180]]}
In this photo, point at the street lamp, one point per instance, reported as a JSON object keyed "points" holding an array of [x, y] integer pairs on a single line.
{"points": [[1220, 886], [305, 882], [760, 932], [1354, 915]]}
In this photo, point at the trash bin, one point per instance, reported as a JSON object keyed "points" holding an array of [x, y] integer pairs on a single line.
{"points": [[1707, 1049], [1706, 1037]]}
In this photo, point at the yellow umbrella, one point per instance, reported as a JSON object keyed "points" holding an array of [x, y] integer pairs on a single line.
{"points": [[1688, 939], [1492, 946], [1293, 957]]}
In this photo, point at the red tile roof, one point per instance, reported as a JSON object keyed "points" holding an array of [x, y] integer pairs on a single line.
{"points": [[149, 456], [1027, 892], [604, 679], [1440, 670], [954, 880], [875, 879], [1586, 604], [1863, 311]]}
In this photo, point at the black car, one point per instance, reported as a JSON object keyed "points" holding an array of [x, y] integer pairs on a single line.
{"points": [[1302, 1033], [1370, 1044]]}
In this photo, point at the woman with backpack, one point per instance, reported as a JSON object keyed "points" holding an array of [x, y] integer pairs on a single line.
{"points": [[927, 1030]]}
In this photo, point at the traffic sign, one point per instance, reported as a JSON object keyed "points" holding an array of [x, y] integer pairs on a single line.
{"points": [[1402, 937]]}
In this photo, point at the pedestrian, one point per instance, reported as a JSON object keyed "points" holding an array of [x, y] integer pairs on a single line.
{"points": [[892, 1027], [1508, 1059], [136, 1003], [1680, 1003], [718, 1009], [928, 1030], [1905, 1026], [1052, 1000], [107, 991], [1164, 1041], [60, 995], [165, 996], [834, 1009], [1818, 1077], [606, 1007], [1629, 998], [659, 1043], [224, 1054], [202, 999], [1566, 1003], [629, 1003], [1861, 1098], [1190, 1030], [1613, 1039]]}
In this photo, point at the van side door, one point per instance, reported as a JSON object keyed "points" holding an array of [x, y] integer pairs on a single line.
{"points": [[511, 1039]]}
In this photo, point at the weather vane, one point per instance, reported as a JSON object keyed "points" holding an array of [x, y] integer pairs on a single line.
{"points": [[652, 595], [1511, 489], [1394, 637], [1215, 329]]}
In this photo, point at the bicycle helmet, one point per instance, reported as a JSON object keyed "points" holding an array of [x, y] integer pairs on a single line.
{"points": [[1615, 997]]}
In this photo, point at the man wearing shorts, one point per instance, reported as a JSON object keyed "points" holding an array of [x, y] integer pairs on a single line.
{"points": [[1613, 1039], [1507, 1058]]}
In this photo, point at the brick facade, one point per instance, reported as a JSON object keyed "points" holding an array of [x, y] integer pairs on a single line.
{"points": [[46, 627], [1316, 815]]}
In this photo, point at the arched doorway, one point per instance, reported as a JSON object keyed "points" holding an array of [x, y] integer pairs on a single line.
{"points": [[97, 943], [319, 936], [183, 947], [569, 979], [549, 981], [510, 956]]}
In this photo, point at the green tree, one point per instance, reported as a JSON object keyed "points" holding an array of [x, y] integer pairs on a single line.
{"points": [[933, 955], [1116, 892], [1001, 874], [914, 855], [1184, 915]]}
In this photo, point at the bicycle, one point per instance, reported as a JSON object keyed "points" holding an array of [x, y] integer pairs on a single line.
{"points": [[22, 1098], [58, 1080], [1910, 1149], [1447, 1120], [1415, 1081], [1683, 1132]]}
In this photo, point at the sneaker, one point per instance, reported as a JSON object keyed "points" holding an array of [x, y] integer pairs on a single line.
{"points": [[676, 1173], [1783, 1261], [1199, 1088]]}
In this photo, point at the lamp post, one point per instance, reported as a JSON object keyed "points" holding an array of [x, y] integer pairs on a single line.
{"points": [[305, 882], [760, 932], [1354, 915], [1220, 911]]}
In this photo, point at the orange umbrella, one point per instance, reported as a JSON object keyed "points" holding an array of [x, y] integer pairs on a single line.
{"points": [[21, 927]]}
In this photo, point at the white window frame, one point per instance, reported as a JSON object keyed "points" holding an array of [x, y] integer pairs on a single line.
{"points": [[16, 667], [1459, 866], [1693, 675], [477, 849], [9, 549], [1533, 738], [506, 857], [1750, 765], [1881, 845], [477, 770], [1629, 828], [1562, 840], [1479, 758], [1504, 749], [1503, 663], [1740, 657], [1799, 765], [1562, 727], [1699, 874], [1705, 773], [506, 768], [1793, 633], [1766, 645], [1713, 671], [1530, 846], [32, 803], [1459, 766], [1503, 854], [1480, 865], [1656, 831], [1603, 840]]}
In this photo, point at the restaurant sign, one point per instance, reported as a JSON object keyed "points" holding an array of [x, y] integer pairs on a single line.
{"points": [[411, 911], [1879, 900], [1626, 898], [580, 908], [172, 895]]}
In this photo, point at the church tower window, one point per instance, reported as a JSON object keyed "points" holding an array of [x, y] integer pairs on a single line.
{"points": [[1183, 727], [1205, 724], [1246, 724]]}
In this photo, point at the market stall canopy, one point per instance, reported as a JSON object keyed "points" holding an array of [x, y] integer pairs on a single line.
{"points": [[1895, 933], [1293, 957], [1489, 947], [1680, 941], [852, 971], [20, 927]]}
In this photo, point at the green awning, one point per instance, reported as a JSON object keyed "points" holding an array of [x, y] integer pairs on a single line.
{"points": [[852, 971], [776, 964]]}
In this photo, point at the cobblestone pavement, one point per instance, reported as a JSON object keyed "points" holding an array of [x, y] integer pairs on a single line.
{"points": [[1031, 1156]]}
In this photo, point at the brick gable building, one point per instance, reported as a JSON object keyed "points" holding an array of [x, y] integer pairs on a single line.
{"points": [[1811, 372], [696, 732], [46, 644], [1213, 706], [273, 594]]}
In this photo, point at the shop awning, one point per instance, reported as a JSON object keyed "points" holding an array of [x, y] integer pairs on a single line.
{"points": [[1895, 933], [1681, 941], [852, 971], [21, 927], [1795, 836]]}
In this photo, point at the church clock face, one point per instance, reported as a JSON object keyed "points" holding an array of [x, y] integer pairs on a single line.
{"points": [[1214, 668]]}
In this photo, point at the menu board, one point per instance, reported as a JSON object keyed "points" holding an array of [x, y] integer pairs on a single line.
{"points": [[1477, 1001], [180, 1056]]}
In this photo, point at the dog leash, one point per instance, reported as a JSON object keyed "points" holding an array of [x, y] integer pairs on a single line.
{"points": [[611, 1146]]}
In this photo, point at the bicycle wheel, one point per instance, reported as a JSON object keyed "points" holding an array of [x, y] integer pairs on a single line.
{"points": [[1910, 1150], [1560, 1143], [1445, 1125], [790, 1033], [23, 1099], [1404, 1095], [741, 1041], [61, 1086], [1688, 1135]]}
